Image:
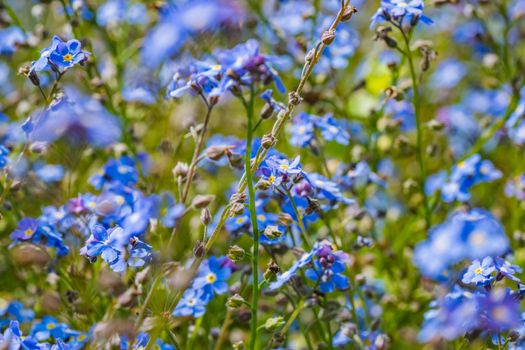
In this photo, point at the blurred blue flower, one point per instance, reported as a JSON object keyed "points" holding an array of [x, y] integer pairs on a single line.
{"points": [[76, 117], [473, 234], [177, 23], [114, 12], [10, 37], [193, 303], [400, 10]]}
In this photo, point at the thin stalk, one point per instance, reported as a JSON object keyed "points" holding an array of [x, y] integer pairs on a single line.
{"points": [[224, 329], [278, 126], [300, 221], [253, 216], [183, 195], [416, 101]]}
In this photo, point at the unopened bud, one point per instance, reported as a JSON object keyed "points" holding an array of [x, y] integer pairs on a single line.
{"points": [[180, 170], [236, 253], [235, 301], [237, 209], [285, 219], [216, 152], [348, 13], [199, 250], [205, 216], [267, 141], [272, 232], [271, 271], [267, 111], [263, 185], [274, 323], [202, 201], [328, 37]]}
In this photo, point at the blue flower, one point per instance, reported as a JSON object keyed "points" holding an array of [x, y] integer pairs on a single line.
{"points": [[473, 234], [480, 273], [451, 317], [49, 172], [213, 276], [107, 244], [193, 303], [76, 117], [500, 310], [15, 311], [169, 211], [114, 12], [277, 170], [122, 170], [506, 269], [10, 37], [61, 54], [12, 339], [177, 23], [466, 174], [304, 127], [26, 229], [246, 66], [328, 270], [49, 327], [286, 276], [399, 10]]}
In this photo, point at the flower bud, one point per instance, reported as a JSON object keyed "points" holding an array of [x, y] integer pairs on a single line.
{"points": [[348, 13], [202, 201], [267, 111], [199, 250], [216, 152], [272, 232], [205, 216], [236, 253], [274, 323], [328, 37], [180, 170], [285, 219], [235, 301], [267, 141], [237, 209], [271, 271], [263, 185]]}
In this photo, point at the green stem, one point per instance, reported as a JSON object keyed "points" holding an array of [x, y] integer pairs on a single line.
{"points": [[253, 216], [419, 128], [299, 218]]}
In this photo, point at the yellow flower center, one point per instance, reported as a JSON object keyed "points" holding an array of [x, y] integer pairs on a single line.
{"points": [[479, 270], [271, 179], [51, 326], [402, 4], [284, 166], [239, 220], [28, 232], [68, 57], [216, 67], [211, 278], [261, 217]]}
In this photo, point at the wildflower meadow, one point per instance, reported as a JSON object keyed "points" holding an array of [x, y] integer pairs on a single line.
{"points": [[262, 174]]}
